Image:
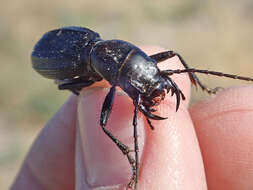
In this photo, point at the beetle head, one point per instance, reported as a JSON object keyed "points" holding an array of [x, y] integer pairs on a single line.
{"points": [[141, 76], [158, 92]]}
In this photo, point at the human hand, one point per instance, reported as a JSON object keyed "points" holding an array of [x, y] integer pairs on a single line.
{"points": [[72, 152]]}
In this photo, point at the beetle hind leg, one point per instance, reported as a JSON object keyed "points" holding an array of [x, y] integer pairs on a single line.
{"points": [[75, 85], [162, 56]]}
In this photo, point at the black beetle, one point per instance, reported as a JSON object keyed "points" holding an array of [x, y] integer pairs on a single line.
{"points": [[77, 57]]}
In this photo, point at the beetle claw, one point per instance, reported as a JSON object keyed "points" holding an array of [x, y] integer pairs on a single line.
{"points": [[172, 92], [171, 85], [177, 99], [149, 114], [182, 95]]}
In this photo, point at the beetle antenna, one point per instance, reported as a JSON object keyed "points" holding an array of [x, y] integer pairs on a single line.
{"points": [[219, 74]]}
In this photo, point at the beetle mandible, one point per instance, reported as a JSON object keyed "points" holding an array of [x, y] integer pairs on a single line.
{"points": [[76, 57]]}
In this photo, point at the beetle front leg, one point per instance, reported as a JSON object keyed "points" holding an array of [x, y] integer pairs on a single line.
{"points": [[105, 113], [162, 56]]}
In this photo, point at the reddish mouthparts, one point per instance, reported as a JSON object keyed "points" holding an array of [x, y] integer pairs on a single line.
{"points": [[157, 100]]}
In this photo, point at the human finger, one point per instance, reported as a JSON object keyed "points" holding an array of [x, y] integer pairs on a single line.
{"points": [[224, 128], [50, 161], [171, 157]]}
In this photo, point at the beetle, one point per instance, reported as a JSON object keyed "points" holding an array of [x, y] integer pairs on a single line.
{"points": [[76, 57]]}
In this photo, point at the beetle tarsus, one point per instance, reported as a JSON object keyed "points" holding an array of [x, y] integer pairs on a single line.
{"points": [[137, 102]]}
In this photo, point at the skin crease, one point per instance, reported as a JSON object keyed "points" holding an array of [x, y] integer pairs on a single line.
{"points": [[72, 152]]}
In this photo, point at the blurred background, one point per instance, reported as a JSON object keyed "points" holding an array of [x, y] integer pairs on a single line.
{"points": [[215, 35]]}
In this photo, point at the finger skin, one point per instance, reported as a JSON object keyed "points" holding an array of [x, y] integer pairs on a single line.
{"points": [[225, 132], [104, 165], [50, 161], [171, 157]]}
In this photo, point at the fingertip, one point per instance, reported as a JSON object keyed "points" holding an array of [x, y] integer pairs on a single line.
{"points": [[45, 166], [228, 99], [171, 156], [224, 128], [104, 164]]}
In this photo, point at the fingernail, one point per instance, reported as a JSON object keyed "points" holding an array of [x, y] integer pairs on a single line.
{"points": [[104, 164]]}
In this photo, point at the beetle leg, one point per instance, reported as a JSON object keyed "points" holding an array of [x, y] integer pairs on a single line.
{"points": [[134, 178], [105, 113], [75, 92], [162, 56], [175, 86], [75, 85], [149, 123], [148, 114], [107, 106]]}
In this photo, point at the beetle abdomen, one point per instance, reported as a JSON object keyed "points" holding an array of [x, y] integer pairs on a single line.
{"points": [[63, 53]]}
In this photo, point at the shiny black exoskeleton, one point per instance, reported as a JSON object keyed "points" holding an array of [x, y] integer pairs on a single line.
{"points": [[77, 57]]}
